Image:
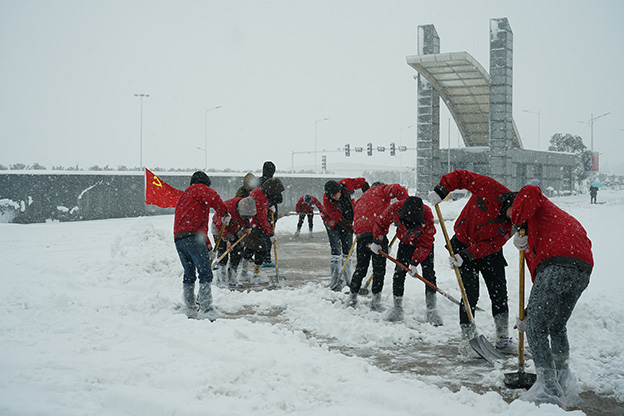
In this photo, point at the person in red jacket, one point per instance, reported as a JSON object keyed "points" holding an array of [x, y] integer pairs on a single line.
{"points": [[305, 208], [481, 231], [241, 210], [337, 214], [415, 231], [190, 233], [559, 257], [262, 236], [367, 210]]}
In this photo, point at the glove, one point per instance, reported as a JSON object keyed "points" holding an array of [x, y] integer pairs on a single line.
{"points": [[226, 219], [520, 241], [434, 198], [456, 261], [412, 269], [375, 247], [521, 325], [272, 239]]}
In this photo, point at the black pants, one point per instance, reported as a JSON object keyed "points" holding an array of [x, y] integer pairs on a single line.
{"points": [[234, 257], [404, 255], [302, 216], [364, 255], [492, 268]]}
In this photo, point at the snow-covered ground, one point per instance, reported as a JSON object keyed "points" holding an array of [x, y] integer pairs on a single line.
{"points": [[88, 326]]}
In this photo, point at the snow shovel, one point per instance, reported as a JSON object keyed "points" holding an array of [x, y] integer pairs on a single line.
{"points": [[520, 380], [486, 350], [227, 251], [425, 281], [364, 290]]}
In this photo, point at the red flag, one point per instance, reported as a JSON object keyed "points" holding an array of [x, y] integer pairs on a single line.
{"points": [[160, 193]]}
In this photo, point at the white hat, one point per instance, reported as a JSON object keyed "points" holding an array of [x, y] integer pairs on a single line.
{"points": [[246, 207]]}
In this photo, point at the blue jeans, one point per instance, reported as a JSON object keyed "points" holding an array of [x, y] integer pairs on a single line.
{"points": [[340, 240], [555, 292], [194, 256]]}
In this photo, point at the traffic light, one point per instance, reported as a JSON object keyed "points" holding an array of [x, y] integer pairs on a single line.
{"points": [[392, 149], [347, 150], [324, 163], [369, 149]]}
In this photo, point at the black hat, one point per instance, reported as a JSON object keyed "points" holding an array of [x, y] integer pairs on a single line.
{"points": [[272, 188], [412, 213], [332, 188], [307, 199], [506, 200], [268, 169], [200, 177]]}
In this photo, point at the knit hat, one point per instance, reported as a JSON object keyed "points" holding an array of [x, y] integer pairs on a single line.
{"points": [[332, 188], [200, 177], [272, 188], [246, 207], [412, 213], [268, 169], [307, 199], [506, 200]]}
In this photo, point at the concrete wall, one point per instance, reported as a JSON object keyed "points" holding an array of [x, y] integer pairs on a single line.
{"points": [[32, 197]]}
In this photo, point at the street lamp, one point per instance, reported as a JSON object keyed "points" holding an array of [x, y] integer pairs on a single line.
{"points": [[141, 96], [538, 125], [315, 141], [206, 137]]}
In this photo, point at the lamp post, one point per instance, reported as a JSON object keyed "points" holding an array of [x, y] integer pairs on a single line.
{"points": [[590, 123], [315, 141], [538, 125], [206, 137], [141, 96]]}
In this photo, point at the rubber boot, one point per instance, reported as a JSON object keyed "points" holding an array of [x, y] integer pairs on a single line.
{"points": [[335, 282], [221, 275], [188, 296], [432, 315], [352, 302], [504, 343], [232, 279], [244, 271], [468, 332], [311, 233], [396, 313], [206, 310], [297, 232], [375, 305]]}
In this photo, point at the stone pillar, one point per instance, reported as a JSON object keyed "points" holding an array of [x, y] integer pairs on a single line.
{"points": [[501, 114], [428, 119]]}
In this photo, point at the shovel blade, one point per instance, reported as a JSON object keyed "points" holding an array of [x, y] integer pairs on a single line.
{"points": [[486, 350], [520, 380]]}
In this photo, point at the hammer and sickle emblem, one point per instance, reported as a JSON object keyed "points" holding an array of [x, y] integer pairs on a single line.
{"points": [[157, 181]]}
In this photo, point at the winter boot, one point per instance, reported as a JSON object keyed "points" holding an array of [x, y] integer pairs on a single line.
{"points": [[188, 296], [231, 278], [221, 277], [244, 271], [311, 233], [375, 305], [352, 302], [297, 232], [335, 283], [396, 313], [546, 389], [504, 343], [567, 381], [432, 315], [258, 275], [206, 310], [468, 332]]}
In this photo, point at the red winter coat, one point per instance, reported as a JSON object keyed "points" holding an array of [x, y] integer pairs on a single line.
{"points": [[236, 222], [481, 225], [422, 238], [261, 219], [373, 203], [331, 212], [554, 236], [193, 209], [302, 207]]}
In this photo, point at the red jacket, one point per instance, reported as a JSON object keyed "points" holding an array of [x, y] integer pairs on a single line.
{"points": [[422, 238], [302, 207], [331, 211], [193, 209], [480, 225], [236, 222], [261, 219], [554, 236], [373, 203]]}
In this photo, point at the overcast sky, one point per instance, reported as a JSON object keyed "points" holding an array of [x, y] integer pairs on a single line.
{"points": [[69, 72]]}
